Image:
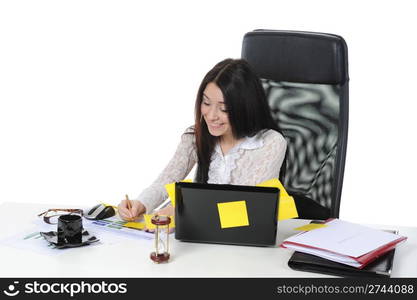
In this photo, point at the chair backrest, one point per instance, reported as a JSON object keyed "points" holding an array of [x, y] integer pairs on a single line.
{"points": [[305, 76]]}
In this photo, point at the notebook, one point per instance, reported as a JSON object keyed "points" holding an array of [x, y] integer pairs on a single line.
{"points": [[226, 214]]}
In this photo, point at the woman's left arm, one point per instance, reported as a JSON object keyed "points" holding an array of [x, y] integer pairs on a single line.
{"points": [[265, 163], [274, 154]]}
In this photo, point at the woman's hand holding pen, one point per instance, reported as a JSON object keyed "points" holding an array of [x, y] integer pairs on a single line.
{"points": [[130, 210]]}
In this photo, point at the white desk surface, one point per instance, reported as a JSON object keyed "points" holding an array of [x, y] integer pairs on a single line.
{"points": [[130, 257]]}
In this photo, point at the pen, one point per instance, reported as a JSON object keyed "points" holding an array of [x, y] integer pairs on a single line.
{"points": [[129, 205], [165, 203]]}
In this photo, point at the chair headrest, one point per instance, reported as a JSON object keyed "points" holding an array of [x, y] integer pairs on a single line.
{"points": [[297, 56]]}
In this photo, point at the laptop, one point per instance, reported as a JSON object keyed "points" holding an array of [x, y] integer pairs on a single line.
{"points": [[226, 214]]}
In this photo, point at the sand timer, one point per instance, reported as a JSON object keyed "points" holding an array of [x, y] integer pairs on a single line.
{"points": [[161, 253]]}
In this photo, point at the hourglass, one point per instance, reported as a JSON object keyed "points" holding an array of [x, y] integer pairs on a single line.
{"points": [[161, 253]]}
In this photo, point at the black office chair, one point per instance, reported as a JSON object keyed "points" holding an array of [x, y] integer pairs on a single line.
{"points": [[305, 76]]}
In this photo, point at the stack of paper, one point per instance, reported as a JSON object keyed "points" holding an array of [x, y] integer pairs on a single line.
{"points": [[344, 242]]}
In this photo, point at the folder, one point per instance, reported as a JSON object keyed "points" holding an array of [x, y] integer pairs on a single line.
{"points": [[344, 242], [381, 267]]}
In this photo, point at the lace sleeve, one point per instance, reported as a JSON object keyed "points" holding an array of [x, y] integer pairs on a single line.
{"points": [[270, 166], [256, 166], [177, 169]]}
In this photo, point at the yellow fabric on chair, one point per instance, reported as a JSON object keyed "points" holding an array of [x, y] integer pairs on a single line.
{"points": [[170, 188], [287, 208]]}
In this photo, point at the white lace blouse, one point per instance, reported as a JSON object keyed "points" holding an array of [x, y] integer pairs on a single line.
{"points": [[254, 160]]}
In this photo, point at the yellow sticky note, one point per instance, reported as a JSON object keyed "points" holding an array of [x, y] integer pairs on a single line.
{"points": [[309, 227], [136, 225], [274, 182], [287, 208], [149, 224], [170, 188], [171, 192], [233, 214]]}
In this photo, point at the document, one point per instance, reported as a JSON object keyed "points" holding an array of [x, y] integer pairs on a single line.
{"points": [[344, 242], [117, 226], [31, 241]]}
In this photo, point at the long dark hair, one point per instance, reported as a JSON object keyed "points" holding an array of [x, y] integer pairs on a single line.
{"points": [[246, 104]]}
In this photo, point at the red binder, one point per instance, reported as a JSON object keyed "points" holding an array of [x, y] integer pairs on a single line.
{"points": [[358, 261]]}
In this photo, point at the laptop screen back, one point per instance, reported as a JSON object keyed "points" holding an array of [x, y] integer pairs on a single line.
{"points": [[227, 214]]}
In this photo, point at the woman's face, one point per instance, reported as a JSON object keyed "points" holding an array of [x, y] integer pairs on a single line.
{"points": [[214, 111]]}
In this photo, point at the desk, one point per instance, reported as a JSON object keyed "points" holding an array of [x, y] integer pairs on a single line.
{"points": [[131, 257]]}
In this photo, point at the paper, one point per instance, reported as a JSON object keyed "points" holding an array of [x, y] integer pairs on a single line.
{"points": [[149, 225], [287, 208], [170, 188], [31, 241], [309, 227], [344, 238], [115, 225], [233, 214], [328, 255], [135, 225]]}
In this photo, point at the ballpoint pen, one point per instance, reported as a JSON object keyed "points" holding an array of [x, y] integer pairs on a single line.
{"points": [[163, 204], [129, 204]]}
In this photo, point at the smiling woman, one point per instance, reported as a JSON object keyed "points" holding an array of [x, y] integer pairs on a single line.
{"points": [[234, 139], [214, 112]]}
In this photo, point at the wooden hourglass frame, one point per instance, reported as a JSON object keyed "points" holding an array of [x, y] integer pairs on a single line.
{"points": [[161, 256]]}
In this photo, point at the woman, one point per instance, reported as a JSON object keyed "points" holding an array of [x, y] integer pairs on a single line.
{"points": [[234, 139]]}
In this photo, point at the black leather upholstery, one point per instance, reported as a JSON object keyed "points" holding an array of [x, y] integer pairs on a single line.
{"points": [[297, 56], [305, 76]]}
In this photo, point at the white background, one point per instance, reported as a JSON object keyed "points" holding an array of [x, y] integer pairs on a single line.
{"points": [[94, 95]]}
